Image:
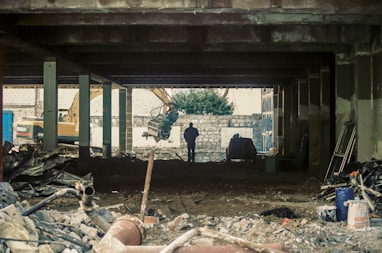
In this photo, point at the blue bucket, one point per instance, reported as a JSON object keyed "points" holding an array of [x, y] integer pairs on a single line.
{"points": [[342, 195]]}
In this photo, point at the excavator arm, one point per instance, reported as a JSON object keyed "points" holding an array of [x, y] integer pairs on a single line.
{"points": [[73, 113], [159, 126]]}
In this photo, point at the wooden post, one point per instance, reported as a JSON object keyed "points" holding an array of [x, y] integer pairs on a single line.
{"points": [[147, 185]]}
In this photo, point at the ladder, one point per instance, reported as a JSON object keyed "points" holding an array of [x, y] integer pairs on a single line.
{"points": [[343, 150]]}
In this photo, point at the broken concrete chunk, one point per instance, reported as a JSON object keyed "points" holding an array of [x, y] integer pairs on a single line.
{"points": [[7, 195], [11, 229], [89, 231], [45, 248], [67, 250]]}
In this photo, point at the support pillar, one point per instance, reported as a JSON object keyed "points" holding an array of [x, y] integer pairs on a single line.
{"points": [[106, 146], [364, 107], [277, 119], [122, 120], [286, 117], [344, 78], [129, 119], [377, 80], [314, 122], [1, 108], [325, 117], [267, 107], [84, 124], [294, 124], [50, 105], [303, 123]]}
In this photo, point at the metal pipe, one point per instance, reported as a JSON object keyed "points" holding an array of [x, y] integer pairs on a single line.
{"points": [[87, 196], [88, 206], [55, 195], [98, 220], [127, 233], [126, 230], [147, 185], [184, 249]]}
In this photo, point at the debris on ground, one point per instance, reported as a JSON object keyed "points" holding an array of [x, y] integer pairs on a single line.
{"points": [[25, 228], [210, 206], [33, 172], [364, 178]]}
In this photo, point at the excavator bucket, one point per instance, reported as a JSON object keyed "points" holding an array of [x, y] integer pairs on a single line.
{"points": [[159, 128], [153, 128]]}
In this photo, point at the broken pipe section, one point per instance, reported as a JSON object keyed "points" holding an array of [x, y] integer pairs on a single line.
{"points": [[88, 205], [127, 233], [49, 199], [126, 230], [186, 249]]}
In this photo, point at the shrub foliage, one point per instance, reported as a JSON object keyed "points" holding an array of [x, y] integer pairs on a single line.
{"points": [[202, 102]]}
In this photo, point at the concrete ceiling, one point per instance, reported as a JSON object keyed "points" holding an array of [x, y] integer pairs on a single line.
{"points": [[183, 43]]}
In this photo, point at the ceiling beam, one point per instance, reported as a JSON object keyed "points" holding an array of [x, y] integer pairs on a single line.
{"points": [[201, 17], [27, 47], [75, 6], [185, 81], [130, 36], [206, 59]]}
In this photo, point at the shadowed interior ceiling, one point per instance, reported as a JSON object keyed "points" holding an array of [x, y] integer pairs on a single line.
{"points": [[183, 43]]}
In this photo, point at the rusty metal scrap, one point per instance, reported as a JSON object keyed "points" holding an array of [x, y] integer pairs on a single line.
{"points": [[32, 172], [52, 197]]}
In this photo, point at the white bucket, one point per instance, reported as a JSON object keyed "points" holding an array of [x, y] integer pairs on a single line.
{"points": [[358, 214]]}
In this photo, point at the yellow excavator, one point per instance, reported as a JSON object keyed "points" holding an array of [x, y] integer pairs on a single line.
{"points": [[31, 129], [159, 127]]}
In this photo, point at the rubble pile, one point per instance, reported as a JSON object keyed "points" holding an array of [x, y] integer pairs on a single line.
{"points": [[32, 172], [296, 235], [48, 230], [364, 178], [40, 228], [28, 229]]}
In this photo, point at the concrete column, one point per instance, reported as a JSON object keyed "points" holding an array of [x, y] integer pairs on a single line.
{"points": [[303, 123], [326, 134], [277, 119], [344, 78], [129, 119], [315, 129], [267, 118], [286, 119], [364, 107], [377, 92], [50, 105], [106, 146], [122, 120], [294, 124], [1, 108], [84, 124]]}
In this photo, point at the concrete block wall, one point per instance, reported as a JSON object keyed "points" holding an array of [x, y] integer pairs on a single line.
{"points": [[210, 145]]}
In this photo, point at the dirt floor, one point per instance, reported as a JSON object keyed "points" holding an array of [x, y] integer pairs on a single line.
{"points": [[215, 189], [224, 196]]}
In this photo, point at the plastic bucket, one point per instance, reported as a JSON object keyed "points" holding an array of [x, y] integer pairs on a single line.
{"points": [[358, 214], [326, 213], [343, 195]]}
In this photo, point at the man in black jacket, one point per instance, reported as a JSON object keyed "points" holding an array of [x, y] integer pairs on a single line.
{"points": [[190, 135]]}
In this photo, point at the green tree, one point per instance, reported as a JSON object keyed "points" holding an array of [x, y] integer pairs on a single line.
{"points": [[202, 102]]}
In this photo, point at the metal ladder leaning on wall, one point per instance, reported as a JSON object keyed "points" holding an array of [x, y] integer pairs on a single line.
{"points": [[343, 151]]}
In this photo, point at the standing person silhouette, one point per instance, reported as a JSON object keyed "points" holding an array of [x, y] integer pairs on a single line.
{"points": [[190, 135]]}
